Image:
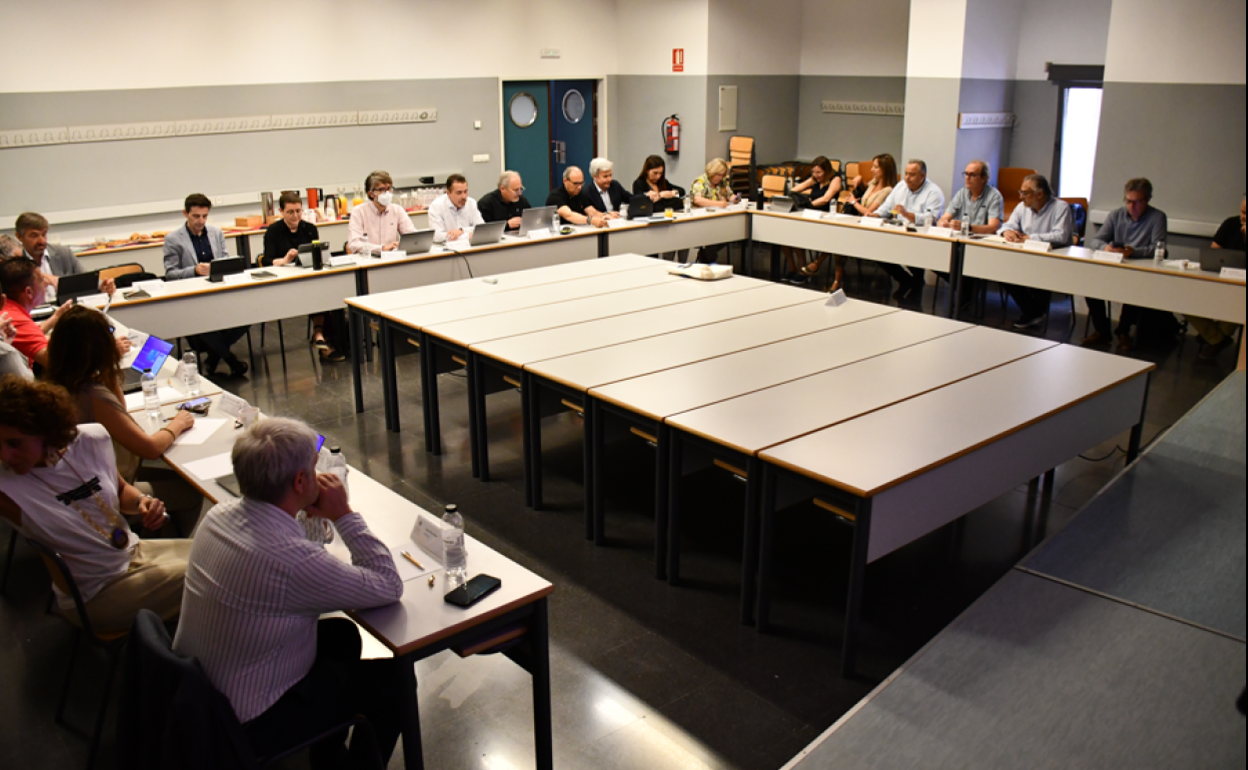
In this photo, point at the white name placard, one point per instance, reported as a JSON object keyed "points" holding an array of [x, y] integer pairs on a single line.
{"points": [[1233, 273], [1041, 246], [427, 535], [1108, 256], [837, 299], [236, 278], [154, 288], [812, 214], [232, 405], [940, 232], [614, 223], [342, 260], [873, 222], [539, 233]]}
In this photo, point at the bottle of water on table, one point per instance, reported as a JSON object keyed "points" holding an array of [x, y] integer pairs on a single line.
{"points": [[966, 227], [454, 554], [336, 464], [190, 374], [1159, 253], [554, 224], [151, 397]]}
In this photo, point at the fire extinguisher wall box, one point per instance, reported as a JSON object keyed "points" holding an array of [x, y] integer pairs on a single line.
{"points": [[671, 135]]}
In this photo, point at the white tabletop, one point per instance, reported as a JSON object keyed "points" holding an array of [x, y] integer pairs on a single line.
{"points": [[669, 392], [844, 235], [473, 287], [553, 343], [633, 359], [768, 417], [475, 331], [865, 457]]}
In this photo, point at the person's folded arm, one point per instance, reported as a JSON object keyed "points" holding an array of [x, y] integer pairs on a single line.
{"points": [[323, 583]]}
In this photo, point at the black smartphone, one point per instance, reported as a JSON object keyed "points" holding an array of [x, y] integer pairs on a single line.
{"points": [[198, 405], [473, 591]]}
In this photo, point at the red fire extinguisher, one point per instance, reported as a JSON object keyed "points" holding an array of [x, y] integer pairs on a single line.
{"points": [[671, 135]]}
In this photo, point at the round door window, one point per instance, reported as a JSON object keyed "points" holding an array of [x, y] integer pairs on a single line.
{"points": [[523, 109], [573, 106]]}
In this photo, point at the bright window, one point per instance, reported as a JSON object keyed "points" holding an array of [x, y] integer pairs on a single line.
{"points": [[1081, 122]]}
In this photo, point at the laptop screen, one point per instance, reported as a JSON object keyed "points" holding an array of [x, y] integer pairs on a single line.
{"points": [[152, 356]]}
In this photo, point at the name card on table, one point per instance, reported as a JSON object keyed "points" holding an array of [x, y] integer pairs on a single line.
{"points": [[1043, 247], [872, 222], [539, 233], [837, 299], [427, 535], [342, 260], [614, 223], [155, 288], [1233, 273], [232, 405], [236, 278], [1108, 256], [940, 232], [386, 256], [815, 214]]}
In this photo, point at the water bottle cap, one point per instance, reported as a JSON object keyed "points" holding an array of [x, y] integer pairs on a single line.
{"points": [[333, 450], [452, 508]]}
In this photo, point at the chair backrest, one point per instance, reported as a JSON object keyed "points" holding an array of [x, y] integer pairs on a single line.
{"points": [[1008, 182], [1079, 212], [119, 270], [63, 579], [773, 185], [740, 150]]}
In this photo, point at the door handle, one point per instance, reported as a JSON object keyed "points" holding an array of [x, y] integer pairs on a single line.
{"points": [[559, 150]]}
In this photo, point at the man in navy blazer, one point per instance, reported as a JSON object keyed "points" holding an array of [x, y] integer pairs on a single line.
{"points": [[604, 193], [188, 251]]}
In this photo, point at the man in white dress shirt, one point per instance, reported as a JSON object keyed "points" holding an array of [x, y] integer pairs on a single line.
{"points": [[258, 581], [453, 214], [912, 201]]}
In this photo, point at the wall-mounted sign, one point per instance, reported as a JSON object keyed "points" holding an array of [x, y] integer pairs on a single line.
{"points": [[678, 60]]}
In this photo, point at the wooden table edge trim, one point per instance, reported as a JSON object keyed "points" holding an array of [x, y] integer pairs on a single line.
{"points": [[1199, 275], [865, 493], [223, 286], [833, 222]]}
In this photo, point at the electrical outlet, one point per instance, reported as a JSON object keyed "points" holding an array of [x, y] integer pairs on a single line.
{"points": [[551, 53], [481, 158]]}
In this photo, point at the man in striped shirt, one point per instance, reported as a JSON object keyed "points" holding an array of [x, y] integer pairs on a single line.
{"points": [[258, 581]]}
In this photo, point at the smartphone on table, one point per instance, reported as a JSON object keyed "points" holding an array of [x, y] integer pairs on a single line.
{"points": [[473, 591]]}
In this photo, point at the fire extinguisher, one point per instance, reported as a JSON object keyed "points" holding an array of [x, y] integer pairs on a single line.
{"points": [[671, 135]]}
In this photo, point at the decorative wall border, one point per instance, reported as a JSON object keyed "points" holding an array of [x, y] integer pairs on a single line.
{"points": [[986, 120], [889, 109], [121, 132]]}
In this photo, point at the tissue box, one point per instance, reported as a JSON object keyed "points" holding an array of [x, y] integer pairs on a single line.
{"points": [[251, 223]]}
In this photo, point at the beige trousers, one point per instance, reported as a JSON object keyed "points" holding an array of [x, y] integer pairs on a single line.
{"points": [[153, 581]]}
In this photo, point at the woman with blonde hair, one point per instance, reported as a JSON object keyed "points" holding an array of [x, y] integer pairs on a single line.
{"points": [[712, 191]]}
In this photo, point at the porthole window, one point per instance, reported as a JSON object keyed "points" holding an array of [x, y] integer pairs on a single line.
{"points": [[573, 106], [523, 110]]}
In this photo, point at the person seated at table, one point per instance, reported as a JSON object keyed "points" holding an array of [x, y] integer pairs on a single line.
{"points": [[605, 194], [188, 252], [1216, 335], [979, 204], [453, 214], [712, 191], [376, 226], [24, 287], [570, 202], [9, 247], [822, 188], [507, 203], [652, 181], [53, 259], [260, 578], [918, 197], [11, 359], [282, 240], [1133, 231], [83, 360], [1039, 217], [60, 487], [865, 199]]}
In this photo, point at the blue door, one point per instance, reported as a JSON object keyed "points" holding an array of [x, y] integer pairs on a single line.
{"points": [[572, 132], [526, 136]]}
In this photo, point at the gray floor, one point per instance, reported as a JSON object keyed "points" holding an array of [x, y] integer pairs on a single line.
{"points": [[644, 676]]}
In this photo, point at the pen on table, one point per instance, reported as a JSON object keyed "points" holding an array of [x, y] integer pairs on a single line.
{"points": [[408, 556]]}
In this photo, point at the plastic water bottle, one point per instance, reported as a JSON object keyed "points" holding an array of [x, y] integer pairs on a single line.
{"points": [[1159, 253], [688, 203], [190, 374], [336, 464], [151, 398], [928, 219], [966, 227], [554, 224], [454, 553]]}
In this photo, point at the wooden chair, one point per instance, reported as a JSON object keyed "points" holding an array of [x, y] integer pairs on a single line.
{"points": [[1009, 180], [117, 271], [741, 164], [63, 579], [773, 185]]}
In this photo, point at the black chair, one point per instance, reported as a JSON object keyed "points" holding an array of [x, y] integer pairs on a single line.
{"points": [[110, 643], [183, 721]]}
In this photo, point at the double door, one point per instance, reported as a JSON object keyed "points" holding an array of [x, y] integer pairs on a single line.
{"points": [[548, 126]]}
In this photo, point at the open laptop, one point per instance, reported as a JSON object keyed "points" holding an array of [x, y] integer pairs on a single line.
{"points": [[782, 204], [1213, 260], [218, 269], [418, 242], [74, 287], [640, 207], [540, 218], [484, 235], [151, 356]]}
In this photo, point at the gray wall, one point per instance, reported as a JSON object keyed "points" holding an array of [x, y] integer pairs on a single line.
{"points": [[1035, 108], [767, 108], [638, 105], [73, 176], [931, 128], [989, 144], [848, 138], [1187, 138]]}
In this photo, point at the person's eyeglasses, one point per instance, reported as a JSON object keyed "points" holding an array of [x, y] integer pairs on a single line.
{"points": [[969, 174], [1026, 193], [520, 191]]}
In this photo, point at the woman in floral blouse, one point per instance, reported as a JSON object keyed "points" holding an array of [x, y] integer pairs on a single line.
{"points": [[711, 191]]}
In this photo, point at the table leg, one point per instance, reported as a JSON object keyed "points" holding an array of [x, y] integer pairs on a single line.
{"points": [[526, 429], [857, 574], [356, 324], [435, 414], [474, 448], [428, 389], [955, 281], [749, 550], [591, 418], [535, 443], [767, 513], [663, 434], [1137, 431], [413, 752], [776, 273], [389, 375], [542, 739], [597, 457], [675, 473]]}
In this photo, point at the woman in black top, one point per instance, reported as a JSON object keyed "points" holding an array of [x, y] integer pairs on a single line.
{"points": [[822, 186], [282, 240], [652, 181]]}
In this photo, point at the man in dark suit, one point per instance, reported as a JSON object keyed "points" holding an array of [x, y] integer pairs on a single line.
{"points": [[605, 194], [505, 204], [53, 260]]}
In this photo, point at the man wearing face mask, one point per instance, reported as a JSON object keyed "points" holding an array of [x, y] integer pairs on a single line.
{"points": [[377, 225], [454, 214]]}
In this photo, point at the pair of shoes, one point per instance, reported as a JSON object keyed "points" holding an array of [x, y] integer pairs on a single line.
{"points": [[211, 362], [1125, 343], [1210, 352], [1031, 323], [237, 368], [1095, 339], [333, 356]]}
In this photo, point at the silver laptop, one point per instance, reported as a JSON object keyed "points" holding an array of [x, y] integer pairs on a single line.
{"points": [[536, 219], [1213, 260], [484, 235], [782, 204], [418, 242]]}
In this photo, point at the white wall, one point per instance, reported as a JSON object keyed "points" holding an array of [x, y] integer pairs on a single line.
{"points": [[937, 28], [86, 45], [1160, 41], [992, 29], [646, 31], [748, 37], [864, 39], [1062, 32]]}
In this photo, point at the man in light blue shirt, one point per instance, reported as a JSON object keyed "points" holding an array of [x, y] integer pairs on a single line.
{"points": [[1040, 217], [912, 201], [1132, 231], [978, 201]]}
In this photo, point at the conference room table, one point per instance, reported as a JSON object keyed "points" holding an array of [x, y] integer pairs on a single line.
{"points": [[420, 624]]}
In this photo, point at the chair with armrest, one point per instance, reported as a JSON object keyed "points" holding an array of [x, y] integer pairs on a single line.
{"points": [[1009, 181], [186, 722], [63, 579]]}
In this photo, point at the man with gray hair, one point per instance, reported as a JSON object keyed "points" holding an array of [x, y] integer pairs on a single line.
{"points": [[570, 202], [9, 247], [507, 203], [376, 225], [605, 194], [911, 201], [1040, 217], [258, 580]]}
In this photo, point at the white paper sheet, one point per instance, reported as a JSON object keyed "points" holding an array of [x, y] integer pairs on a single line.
{"points": [[407, 570], [134, 401], [203, 430], [211, 467]]}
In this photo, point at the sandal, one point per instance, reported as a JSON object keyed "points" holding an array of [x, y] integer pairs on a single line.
{"points": [[810, 269], [319, 344], [333, 356]]}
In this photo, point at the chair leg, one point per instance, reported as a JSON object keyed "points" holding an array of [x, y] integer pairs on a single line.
{"points": [[251, 354], [114, 655], [8, 563], [69, 677], [263, 327], [281, 337]]}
